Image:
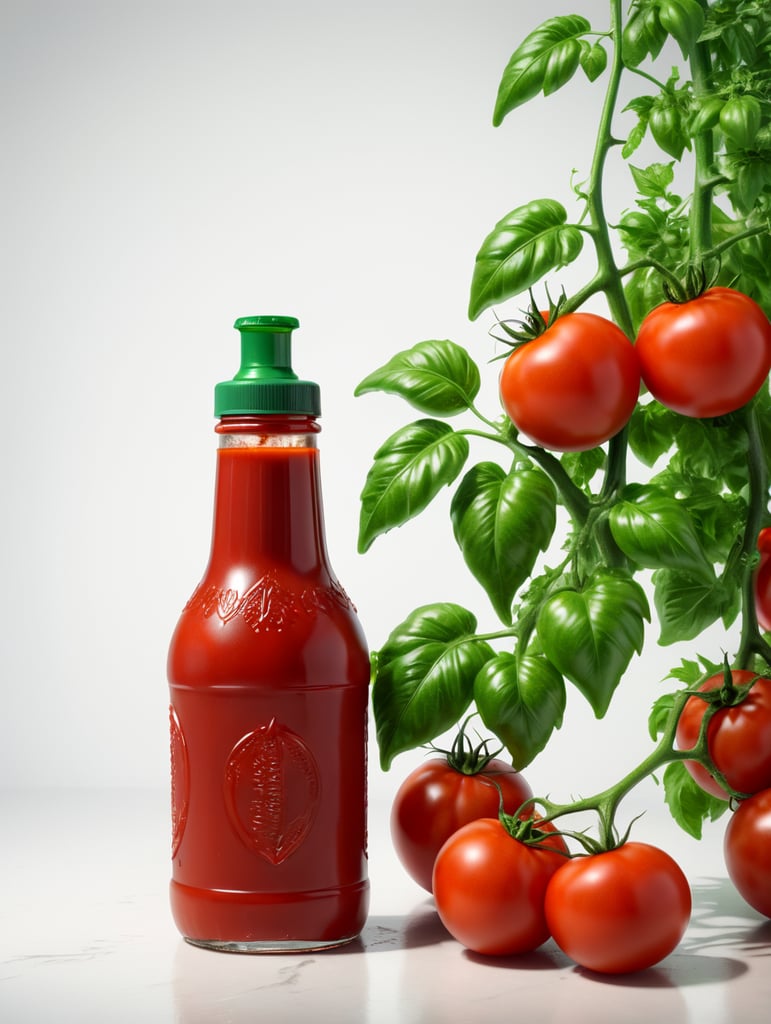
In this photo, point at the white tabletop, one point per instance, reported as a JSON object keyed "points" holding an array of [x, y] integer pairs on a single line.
{"points": [[86, 935]]}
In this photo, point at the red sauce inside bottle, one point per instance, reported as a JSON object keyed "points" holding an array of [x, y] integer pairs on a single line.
{"points": [[268, 672]]}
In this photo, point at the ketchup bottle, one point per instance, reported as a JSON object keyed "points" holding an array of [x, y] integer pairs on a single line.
{"points": [[269, 673]]}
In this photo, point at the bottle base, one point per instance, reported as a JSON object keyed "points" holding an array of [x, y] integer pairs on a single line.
{"points": [[259, 922], [269, 946]]}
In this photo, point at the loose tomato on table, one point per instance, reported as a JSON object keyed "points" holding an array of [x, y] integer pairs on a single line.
{"points": [[738, 737], [489, 887], [619, 911], [708, 356], [762, 581], [436, 799], [574, 386], [747, 850]]}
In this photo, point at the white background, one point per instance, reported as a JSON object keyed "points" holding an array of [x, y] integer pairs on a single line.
{"points": [[168, 167]]}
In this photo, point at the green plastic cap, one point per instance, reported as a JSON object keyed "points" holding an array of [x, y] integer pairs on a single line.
{"points": [[266, 382]]}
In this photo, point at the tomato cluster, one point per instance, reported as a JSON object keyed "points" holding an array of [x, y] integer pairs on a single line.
{"points": [[503, 883], [576, 385]]}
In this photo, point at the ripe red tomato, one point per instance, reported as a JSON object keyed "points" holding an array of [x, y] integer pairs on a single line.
{"points": [[762, 581], [436, 799], [489, 888], [708, 356], [619, 911], [747, 850], [738, 738], [574, 386]]}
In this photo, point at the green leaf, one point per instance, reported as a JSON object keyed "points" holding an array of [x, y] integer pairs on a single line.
{"points": [[652, 431], [591, 635], [593, 59], [684, 20], [688, 803], [501, 522], [522, 702], [436, 377], [543, 62], [642, 35], [655, 530], [582, 467], [522, 248], [409, 470], [424, 677], [659, 716], [654, 180], [686, 603]]}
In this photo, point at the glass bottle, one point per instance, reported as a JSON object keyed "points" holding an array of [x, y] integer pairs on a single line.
{"points": [[269, 673]]}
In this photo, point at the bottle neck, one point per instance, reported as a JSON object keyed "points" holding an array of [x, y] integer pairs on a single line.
{"points": [[267, 510]]}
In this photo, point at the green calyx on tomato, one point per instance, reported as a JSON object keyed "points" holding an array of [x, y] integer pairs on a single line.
{"points": [[731, 712], [466, 758]]}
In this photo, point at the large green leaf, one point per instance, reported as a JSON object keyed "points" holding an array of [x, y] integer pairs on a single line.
{"points": [[656, 531], [543, 62], [522, 702], [501, 522], [437, 377], [591, 635], [522, 248], [686, 603], [424, 677], [409, 470]]}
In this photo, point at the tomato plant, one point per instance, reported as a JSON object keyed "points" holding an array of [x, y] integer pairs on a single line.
{"points": [[582, 563], [747, 848], [489, 887], [574, 386], [762, 581], [738, 735], [619, 911], [444, 793], [707, 356]]}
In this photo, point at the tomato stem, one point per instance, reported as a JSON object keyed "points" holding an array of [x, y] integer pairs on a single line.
{"points": [[606, 802]]}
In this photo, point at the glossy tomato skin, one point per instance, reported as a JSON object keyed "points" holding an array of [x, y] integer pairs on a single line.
{"points": [[708, 356], [574, 386], [747, 850], [738, 738], [435, 800], [489, 888], [762, 581], [619, 911]]}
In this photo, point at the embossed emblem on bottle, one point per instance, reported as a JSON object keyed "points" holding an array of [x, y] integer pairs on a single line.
{"points": [[267, 606], [272, 789], [180, 781]]}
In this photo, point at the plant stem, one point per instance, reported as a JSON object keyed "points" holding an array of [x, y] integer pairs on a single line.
{"points": [[608, 277], [606, 803], [700, 236], [757, 475]]}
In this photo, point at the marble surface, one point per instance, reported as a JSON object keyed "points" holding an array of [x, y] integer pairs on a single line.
{"points": [[86, 935]]}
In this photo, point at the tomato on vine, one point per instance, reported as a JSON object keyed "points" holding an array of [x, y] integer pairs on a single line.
{"points": [[445, 793], [489, 886], [574, 386], [707, 356], [619, 911], [738, 734], [762, 581], [747, 850]]}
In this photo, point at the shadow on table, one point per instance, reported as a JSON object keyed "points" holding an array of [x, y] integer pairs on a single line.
{"points": [[723, 934]]}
